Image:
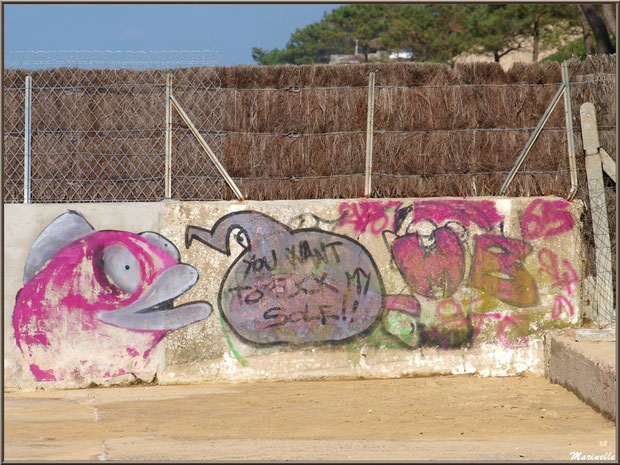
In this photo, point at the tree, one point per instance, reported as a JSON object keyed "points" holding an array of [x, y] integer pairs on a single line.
{"points": [[587, 34], [587, 45], [433, 32], [549, 23], [496, 28], [438, 32], [361, 23], [268, 57], [311, 44], [609, 16], [599, 29], [575, 48]]}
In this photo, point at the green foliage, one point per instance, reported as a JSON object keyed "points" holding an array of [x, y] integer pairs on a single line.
{"points": [[556, 21], [576, 48], [502, 28], [494, 28], [437, 32], [311, 44], [433, 32], [359, 22]]}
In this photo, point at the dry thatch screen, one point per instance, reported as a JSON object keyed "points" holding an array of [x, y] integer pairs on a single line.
{"points": [[294, 132], [298, 132], [290, 132], [439, 131]]}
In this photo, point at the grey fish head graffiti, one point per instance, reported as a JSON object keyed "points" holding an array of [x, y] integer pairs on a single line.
{"points": [[78, 280], [295, 286]]}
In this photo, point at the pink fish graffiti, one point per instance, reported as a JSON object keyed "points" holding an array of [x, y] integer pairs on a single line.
{"points": [[95, 303]]}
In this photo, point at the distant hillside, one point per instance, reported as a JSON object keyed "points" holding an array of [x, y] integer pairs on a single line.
{"points": [[524, 54]]}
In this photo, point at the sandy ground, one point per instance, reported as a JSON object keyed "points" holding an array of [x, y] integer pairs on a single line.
{"points": [[438, 418]]}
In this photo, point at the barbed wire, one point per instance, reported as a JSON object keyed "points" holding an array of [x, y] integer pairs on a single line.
{"points": [[297, 89], [129, 58], [340, 175], [292, 135], [391, 175], [397, 131]]}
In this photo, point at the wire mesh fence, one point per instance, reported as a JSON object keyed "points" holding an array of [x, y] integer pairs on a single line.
{"points": [[598, 237], [598, 192], [98, 122]]}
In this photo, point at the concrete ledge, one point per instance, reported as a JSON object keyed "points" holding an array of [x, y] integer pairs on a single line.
{"points": [[585, 366]]}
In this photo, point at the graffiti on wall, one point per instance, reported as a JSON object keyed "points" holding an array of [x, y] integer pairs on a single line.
{"points": [[367, 215], [546, 218], [95, 303], [462, 274], [289, 285], [564, 279], [449, 246]]}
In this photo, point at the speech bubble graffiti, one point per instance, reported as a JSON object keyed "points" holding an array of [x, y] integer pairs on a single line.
{"points": [[295, 286]]}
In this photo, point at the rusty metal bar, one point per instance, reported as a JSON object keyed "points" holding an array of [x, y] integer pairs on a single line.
{"points": [[28, 140], [570, 135]]}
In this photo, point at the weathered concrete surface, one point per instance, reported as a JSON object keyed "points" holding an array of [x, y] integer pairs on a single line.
{"points": [[506, 334], [437, 418], [595, 335], [300, 290], [586, 367]]}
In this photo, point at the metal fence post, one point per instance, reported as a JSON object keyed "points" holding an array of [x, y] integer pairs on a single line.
{"points": [[570, 136], [168, 181], [27, 139], [369, 133]]}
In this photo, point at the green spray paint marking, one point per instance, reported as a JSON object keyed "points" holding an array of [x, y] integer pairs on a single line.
{"points": [[238, 357], [353, 354]]}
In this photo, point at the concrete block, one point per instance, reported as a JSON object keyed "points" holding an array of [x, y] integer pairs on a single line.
{"points": [[584, 367], [198, 291]]}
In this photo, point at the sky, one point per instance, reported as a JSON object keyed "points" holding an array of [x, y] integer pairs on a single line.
{"points": [[231, 30]]}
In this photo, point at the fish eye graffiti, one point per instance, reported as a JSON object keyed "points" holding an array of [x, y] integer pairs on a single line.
{"points": [[95, 303], [294, 284]]}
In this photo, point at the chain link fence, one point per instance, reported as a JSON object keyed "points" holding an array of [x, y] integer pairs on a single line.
{"points": [[98, 134], [597, 190], [98, 125], [599, 237]]}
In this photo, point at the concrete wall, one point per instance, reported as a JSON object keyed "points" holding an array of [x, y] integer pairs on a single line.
{"points": [[288, 289]]}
